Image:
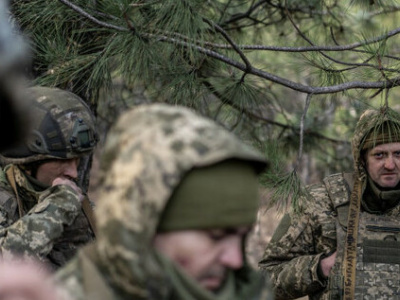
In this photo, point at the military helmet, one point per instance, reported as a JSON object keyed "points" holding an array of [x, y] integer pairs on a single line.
{"points": [[62, 127]]}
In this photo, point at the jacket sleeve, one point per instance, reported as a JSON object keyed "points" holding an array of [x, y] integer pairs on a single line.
{"points": [[34, 234], [291, 258]]}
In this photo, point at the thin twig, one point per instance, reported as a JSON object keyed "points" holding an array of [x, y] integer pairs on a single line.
{"points": [[254, 116], [91, 18], [233, 44], [303, 117]]}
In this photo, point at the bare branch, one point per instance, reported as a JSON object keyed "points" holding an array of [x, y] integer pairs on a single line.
{"points": [[257, 117], [232, 43]]}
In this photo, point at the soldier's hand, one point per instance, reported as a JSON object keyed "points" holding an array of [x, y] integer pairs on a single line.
{"points": [[66, 181], [25, 280], [327, 263]]}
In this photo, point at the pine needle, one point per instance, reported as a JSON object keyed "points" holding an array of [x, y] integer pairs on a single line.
{"points": [[285, 190]]}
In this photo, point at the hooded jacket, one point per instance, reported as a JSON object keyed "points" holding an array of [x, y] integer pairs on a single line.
{"points": [[146, 155], [300, 241]]}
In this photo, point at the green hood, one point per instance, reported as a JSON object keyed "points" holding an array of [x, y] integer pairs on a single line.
{"points": [[147, 154]]}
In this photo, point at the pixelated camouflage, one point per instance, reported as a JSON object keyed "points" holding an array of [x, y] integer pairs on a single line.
{"points": [[53, 225], [37, 221], [146, 155], [62, 127], [300, 241], [291, 258]]}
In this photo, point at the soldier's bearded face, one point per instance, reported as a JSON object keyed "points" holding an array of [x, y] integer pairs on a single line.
{"points": [[205, 255], [383, 164], [57, 168]]}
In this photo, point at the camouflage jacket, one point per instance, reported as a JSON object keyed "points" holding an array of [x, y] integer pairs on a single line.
{"points": [[293, 254], [299, 243], [146, 156], [52, 227]]}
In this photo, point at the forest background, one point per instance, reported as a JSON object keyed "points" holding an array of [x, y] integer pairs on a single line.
{"points": [[290, 77]]}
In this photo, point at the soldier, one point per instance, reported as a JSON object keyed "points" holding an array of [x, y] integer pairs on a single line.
{"points": [[178, 196], [41, 204], [346, 245]]}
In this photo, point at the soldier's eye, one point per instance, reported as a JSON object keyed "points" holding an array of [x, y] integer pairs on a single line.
{"points": [[217, 235]]}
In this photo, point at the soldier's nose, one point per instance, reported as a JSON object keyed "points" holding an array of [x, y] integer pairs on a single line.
{"points": [[232, 254], [70, 168], [389, 163]]}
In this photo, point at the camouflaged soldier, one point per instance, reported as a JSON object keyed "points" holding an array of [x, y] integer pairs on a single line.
{"points": [[179, 194], [347, 244], [41, 214]]}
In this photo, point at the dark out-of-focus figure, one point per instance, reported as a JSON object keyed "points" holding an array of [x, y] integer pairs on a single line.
{"points": [[14, 58]]}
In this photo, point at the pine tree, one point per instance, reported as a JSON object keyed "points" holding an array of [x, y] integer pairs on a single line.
{"points": [[291, 75]]}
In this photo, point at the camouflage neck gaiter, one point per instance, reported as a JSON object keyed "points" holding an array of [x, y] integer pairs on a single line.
{"points": [[376, 200], [219, 196]]}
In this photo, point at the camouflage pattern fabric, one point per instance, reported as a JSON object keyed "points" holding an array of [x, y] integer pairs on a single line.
{"points": [[55, 118], [378, 260], [52, 228], [146, 155], [300, 241], [292, 256]]}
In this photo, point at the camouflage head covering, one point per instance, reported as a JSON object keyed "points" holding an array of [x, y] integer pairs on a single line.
{"points": [[373, 129], [146, 155], [62, 127]]}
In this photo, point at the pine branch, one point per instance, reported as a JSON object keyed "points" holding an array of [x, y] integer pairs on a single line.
{"points": [[82, 12], [312, 48], [255, 71], [355, 65], [256, 117], [232, 43]]}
